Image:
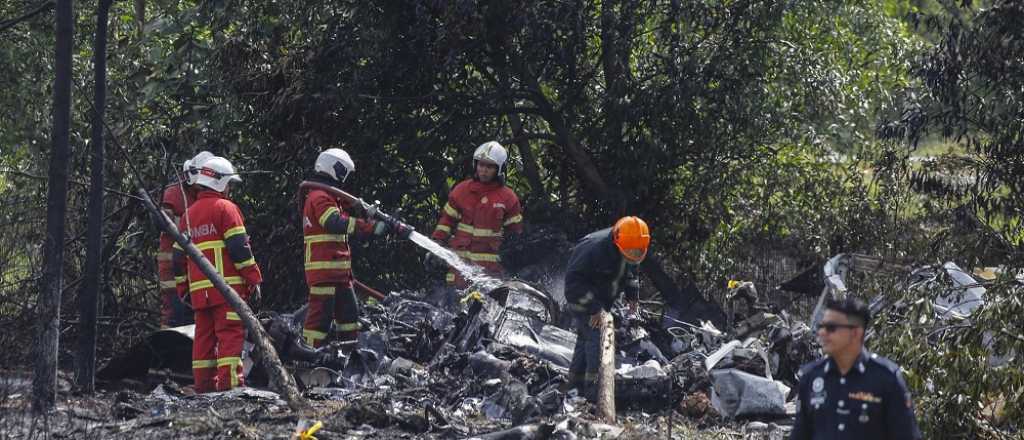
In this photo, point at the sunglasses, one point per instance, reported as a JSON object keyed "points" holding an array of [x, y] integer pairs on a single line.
{"points": [[831, 327]]}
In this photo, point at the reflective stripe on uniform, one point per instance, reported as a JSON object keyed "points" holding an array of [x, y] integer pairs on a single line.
{"points": [[327, 213], [205, 284], [245, 264], [234, 362], [346, 327], [320, 238], [478, 232], [212, 244], [475, 256], [232, 316], [168, 284], [313, 335], [164, 256], [493, 258], [321, 290], [230, 360], [351, 225], [321, 265], [448, 209], [450, 277], [204, 364], [180, 279], [444, 228], [234, 231], [514, 219]]}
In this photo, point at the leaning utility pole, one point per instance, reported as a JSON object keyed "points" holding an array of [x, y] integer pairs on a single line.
{"points": [[44, 383]]}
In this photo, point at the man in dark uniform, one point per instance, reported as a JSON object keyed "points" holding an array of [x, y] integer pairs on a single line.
{"points": [[851, 393], [602, 264]]}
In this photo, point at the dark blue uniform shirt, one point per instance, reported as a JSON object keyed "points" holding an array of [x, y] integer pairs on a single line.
{"points": [[870, 402]]}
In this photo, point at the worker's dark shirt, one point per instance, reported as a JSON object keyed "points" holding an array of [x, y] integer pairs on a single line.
{"points": [[870, 402], [596, 273]]}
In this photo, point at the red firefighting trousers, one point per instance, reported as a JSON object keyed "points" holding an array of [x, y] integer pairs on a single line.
{"points": [[331, 303], [217, 350]]}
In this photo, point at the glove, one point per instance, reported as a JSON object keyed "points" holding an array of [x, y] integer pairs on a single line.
{"points": [[255, 294], [371, 210], [402, 230]]}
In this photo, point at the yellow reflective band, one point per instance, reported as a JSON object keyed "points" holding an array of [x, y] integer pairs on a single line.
{"points": [[478, 232], [203, 364], [206, 284], [327, 213], [234, 231], [212, 244], [514, 219], [164, 256], [320, 265], [494, 258], [450, 277], [351, 225], [321, 290], [319, 238], [346, 327], [168, 284], [448, 209], [312, 336], [180, 279], [444, 228], [232, 316], [246, 263], [232, 360], [177, 246]]}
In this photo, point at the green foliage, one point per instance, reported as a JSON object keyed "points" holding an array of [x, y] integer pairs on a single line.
{"points": [[947, 362]]}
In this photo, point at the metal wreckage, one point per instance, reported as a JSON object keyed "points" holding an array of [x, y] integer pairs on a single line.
{"points": [[496, 367]]}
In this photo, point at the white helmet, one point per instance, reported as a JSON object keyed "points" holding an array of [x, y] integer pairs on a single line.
{"points": [[335, 163], [491, 152], [191, 167], [215, 174]]}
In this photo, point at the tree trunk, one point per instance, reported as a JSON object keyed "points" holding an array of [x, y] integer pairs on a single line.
{"points": [[44, 384], [86, 359], [280, 380], [85, 376], [606, 370]]}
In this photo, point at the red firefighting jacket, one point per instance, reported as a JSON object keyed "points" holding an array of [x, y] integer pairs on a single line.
{"points": [[216, 226], [476, 218], [176, 198], [326, 230]]}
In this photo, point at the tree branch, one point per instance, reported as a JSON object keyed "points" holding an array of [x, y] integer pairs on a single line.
{"points": [[38, 9]]}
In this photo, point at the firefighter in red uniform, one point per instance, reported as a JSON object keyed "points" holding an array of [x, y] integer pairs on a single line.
{"points": [[176, 198], [480, 214], [327, 227], [217, 228]]}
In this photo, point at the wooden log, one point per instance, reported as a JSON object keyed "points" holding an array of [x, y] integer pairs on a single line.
{"points": [[606, 370], [281, 381]]}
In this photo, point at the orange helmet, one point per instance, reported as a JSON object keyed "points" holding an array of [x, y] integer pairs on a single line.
{"points": [[632, 237]]}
